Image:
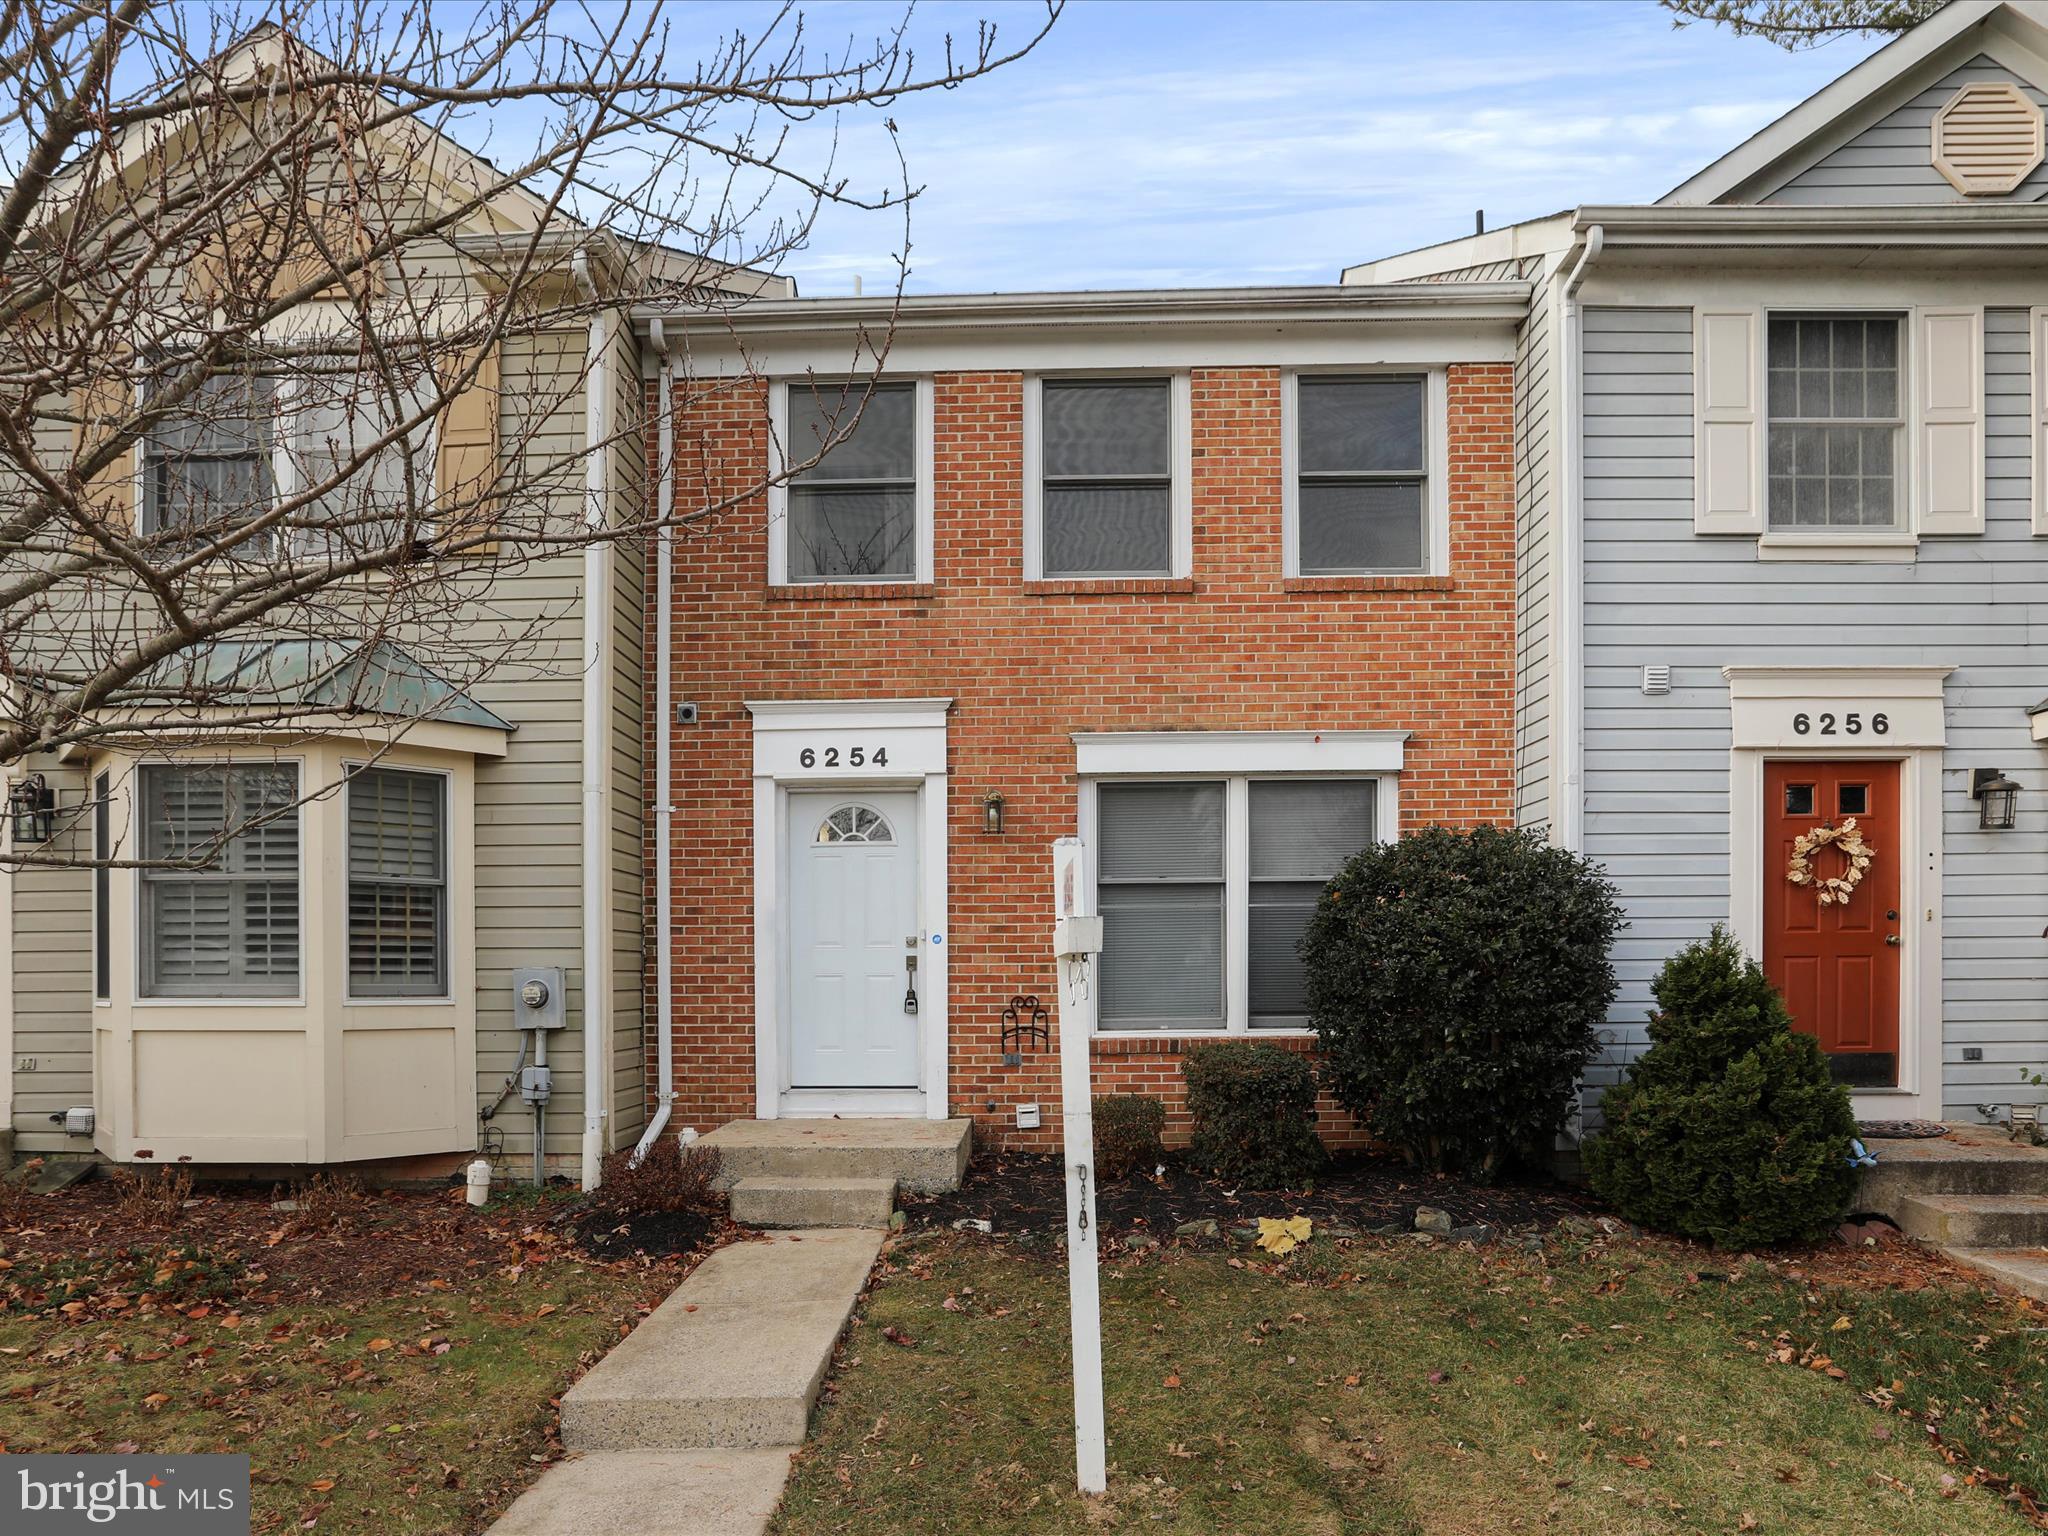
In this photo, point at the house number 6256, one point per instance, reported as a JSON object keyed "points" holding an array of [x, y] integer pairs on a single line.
{"points": [[855, 757], [1832, 723]]}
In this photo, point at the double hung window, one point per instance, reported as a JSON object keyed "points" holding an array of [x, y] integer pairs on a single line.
{"points": [[853, 515], [1362, 491], [397, 884], [1205, 887], [220, 897], [1837, 422], [1106, 477]]}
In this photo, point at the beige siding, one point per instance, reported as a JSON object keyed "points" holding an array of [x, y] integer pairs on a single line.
{"points": [[628, 811], [52, 978]]}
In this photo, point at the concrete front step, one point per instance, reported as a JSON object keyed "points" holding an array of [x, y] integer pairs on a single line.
{"points": [[1970, 1160], [652, 1493], [768, 1201], [1975, 1221], [922, 1156], [734, 1357], [2023, 1269]]}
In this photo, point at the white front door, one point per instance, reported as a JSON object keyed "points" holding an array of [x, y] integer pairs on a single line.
{"points": [[854, 939]]}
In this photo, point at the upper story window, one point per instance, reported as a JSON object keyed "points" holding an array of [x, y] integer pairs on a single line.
{"points": [[207, 467], [1364, 491], [239, 443], [397, 884], [861, 513], [1107, 478], [228, 925], [1836, 422]]}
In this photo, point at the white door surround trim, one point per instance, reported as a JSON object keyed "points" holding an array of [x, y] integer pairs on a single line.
{"points": [[1766, 702], [851, 744]]}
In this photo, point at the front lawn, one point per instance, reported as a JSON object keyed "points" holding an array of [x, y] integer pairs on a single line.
{"points": [[1623, 1386], [387, 1361]]}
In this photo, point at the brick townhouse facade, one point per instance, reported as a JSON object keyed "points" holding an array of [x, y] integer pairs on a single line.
{"points": [[942, 609]]}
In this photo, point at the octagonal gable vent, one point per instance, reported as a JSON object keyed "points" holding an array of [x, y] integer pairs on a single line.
{"points": [[1988, 139]]}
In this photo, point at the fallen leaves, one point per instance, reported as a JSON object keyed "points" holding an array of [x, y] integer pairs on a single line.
{"points": [[1282, 1235]]}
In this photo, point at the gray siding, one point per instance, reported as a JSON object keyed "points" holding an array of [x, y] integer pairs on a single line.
{"points": [[1534, 537], [1657, 768], [1892, 161]]}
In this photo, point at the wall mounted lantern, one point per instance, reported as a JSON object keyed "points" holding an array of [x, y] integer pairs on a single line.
{"points": [[992, 812], [1996, 796], [33, 808]]}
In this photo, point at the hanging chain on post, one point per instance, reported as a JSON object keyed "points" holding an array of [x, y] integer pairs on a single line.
{"points": [[1077, 940]]}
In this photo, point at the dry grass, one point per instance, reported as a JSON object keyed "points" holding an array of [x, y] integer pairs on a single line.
{"points": [[1612, 1390]]}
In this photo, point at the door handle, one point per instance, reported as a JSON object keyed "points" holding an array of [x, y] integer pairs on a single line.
{"points": [[910, 982], [1892, 939]]}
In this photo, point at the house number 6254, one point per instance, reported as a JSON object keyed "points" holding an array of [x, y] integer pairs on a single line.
{"points": [[1832, 723], [854, 757]]}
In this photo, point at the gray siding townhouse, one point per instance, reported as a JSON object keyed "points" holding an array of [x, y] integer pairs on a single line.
{"points": [[1783, 551]]}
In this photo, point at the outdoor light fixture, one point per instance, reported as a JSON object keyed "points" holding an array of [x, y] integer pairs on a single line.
{"points": [[33, 808], [1996, 798], [992, 812]]}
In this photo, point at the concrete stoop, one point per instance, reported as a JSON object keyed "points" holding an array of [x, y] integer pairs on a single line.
{"points": [[926, 1157], [1975, 1194], [813, 1202], [686, 1428]]}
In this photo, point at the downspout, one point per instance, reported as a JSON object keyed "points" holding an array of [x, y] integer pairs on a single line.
{"points": [[597, 590], [664, 725], [1571, 553]]}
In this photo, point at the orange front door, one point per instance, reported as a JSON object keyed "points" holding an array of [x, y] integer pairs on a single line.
{"points": [[1837, 963]]}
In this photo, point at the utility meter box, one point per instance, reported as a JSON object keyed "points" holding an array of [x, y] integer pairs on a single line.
{"points": [[540, 997]]}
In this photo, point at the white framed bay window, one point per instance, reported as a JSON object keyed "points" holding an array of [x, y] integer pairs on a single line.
{"points": [[1210, 851]]}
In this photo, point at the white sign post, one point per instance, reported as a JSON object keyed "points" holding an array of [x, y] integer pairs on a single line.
{"points": [[1077, 940]]}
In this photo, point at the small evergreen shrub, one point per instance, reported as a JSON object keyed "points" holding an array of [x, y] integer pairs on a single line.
{"points": [[1254, 1113], [1729, 1128], [1456, 981], [671, 1178], [1127, 1131]]}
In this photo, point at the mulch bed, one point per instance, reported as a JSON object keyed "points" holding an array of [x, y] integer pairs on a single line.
{"points": [[334, 1243], [1020, 1193], [660, 1234]]}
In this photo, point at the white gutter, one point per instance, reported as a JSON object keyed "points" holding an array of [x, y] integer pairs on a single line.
{"points": [[664, 724], [597, 590], [1571, 736]]}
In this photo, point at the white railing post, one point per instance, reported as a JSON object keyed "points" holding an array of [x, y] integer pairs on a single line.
{"points": [[1077, 940]]}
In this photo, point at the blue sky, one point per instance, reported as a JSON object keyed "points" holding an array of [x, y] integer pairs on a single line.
{"points": [[1163, 144]]}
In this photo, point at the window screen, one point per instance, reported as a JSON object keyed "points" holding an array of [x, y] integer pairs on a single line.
{"points": [[1363, 485], [1160, 888], [853, 515], [1302, 832], [1835, 421], [228, 927], [102, 881], [207, 466], [397, 884], [1106, 477]]}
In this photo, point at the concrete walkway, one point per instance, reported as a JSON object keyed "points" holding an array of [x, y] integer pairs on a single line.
{"points": [[686, 1428], [1976, 1194]]}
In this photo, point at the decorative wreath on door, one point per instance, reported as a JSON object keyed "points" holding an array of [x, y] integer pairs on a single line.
{"points": [[1847, 840]]}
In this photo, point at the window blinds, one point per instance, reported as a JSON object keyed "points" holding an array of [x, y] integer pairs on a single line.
{"points": [[397, 886]]}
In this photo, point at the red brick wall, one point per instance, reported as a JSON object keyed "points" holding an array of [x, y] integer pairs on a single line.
{"points": [[1236, 647]]}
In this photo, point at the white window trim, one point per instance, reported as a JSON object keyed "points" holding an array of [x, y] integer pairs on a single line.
{"points": [[1237, 758], [1181, 463], [1436, 498], [925, 416], [1896, 545], [139, 937], [446, 998], [287, 447]]}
